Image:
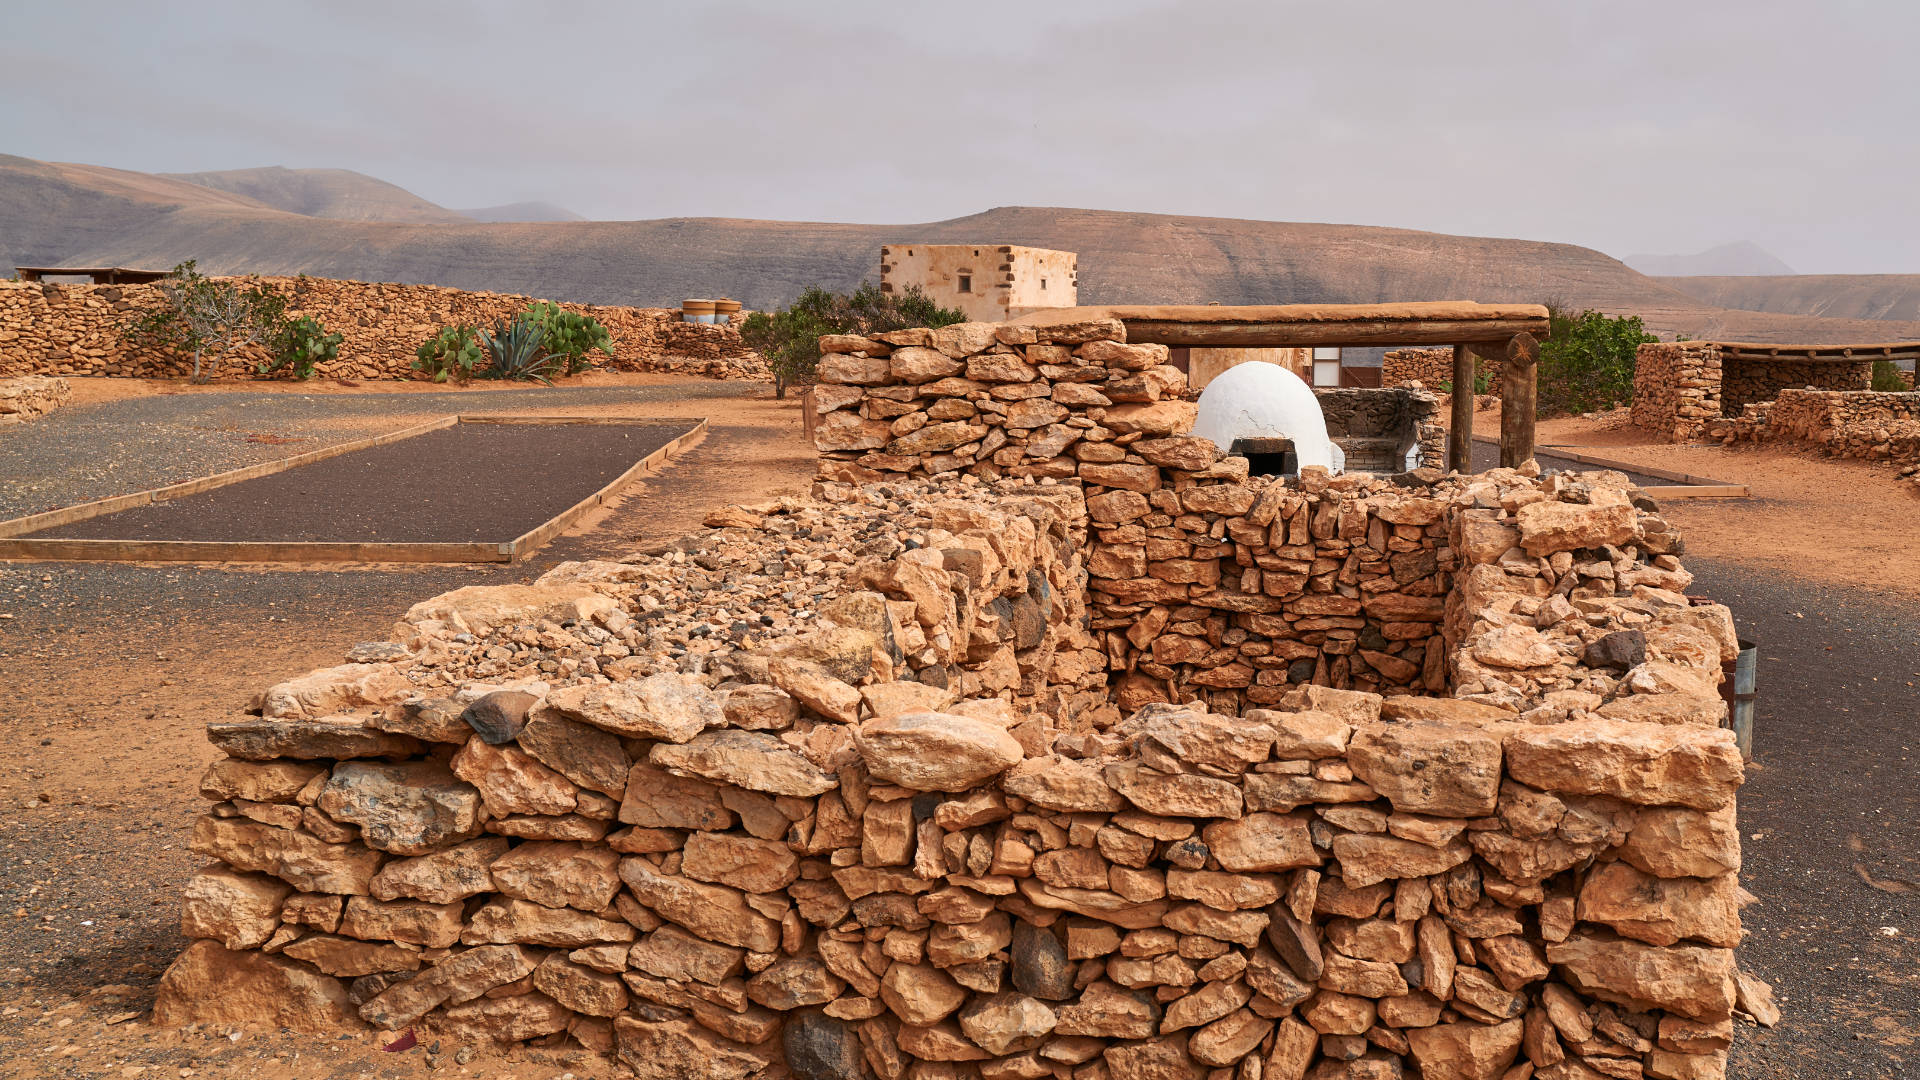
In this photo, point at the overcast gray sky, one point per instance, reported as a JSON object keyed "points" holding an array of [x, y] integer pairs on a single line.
{"points": [[1624, 125]]}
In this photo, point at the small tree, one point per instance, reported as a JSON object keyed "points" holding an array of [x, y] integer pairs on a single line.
{"points": [[202, 315], [790, 338], [1587, 361]]}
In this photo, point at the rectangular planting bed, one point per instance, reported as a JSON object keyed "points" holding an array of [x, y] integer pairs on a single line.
{"points": [[457, 489]]}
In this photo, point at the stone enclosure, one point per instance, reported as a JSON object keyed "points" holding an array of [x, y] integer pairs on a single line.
{"points": [[1680, 387], [980, 762], [74, 330], [32, 395]]}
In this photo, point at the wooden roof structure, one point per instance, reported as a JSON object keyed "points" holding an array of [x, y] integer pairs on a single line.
{"points": [[1762, 351], [1445, 322], [1508, 334], [101, 275]]}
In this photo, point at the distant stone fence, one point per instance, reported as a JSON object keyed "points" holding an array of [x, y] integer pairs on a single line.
{"points": [[1862, 424], [74, 330], [1431, 368], [1680, 387]]}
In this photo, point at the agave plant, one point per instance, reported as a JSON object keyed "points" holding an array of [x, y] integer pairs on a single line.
{"points": [[518, 350]]}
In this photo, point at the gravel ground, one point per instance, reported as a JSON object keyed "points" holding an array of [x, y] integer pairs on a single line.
{"points": [[1828, 811], [91, 451]]}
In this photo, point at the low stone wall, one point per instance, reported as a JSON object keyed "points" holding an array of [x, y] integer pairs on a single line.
{"points": [[74, 330], [1744, 381], [30, 396], [1863, 424], [840, 789], [1431, 368], [1676, 388]]}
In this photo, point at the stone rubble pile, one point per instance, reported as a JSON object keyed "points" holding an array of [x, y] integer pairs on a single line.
{"points": [[840, 789], [30, 396], [48, 329]]}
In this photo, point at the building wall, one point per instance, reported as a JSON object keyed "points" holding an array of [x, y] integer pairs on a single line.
{"points": [[1205, 365], [1003, 280]]}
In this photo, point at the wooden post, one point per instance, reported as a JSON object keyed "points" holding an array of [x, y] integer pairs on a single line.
{"points": [[1520, 398], [1460, 438]]}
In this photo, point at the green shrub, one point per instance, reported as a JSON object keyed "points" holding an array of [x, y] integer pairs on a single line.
{"points": [[517, 349], [201, 315], [301, 345], [570, 336], [1586, 363], [453, 353], [1886, 377], [790, 338]]}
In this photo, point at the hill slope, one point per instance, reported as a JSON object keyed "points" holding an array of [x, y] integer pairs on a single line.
{"points": [[53, 213], [1727, 260], [340, 194], [521, 211], [1837, 296]]}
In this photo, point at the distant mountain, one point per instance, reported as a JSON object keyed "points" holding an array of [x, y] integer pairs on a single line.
{"points": [[339, 194], [1834, 296], [521, 211], [1727, 260], [76, 214]]}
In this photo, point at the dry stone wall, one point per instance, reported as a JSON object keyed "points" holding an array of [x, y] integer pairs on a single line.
{"points": [[1676, 388], [1430, 368], [1862, 424], [1744, 381], [840, 789], [74, 330], [30, 396]]}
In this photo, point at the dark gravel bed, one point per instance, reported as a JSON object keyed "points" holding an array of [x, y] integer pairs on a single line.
{"points": [[469, 482], [91, 451], [1830, 822]]}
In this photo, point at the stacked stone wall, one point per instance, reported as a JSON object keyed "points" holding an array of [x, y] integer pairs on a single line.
{"points": [[1862, 424], [841, 788], [1746, 381], [75, 330], [1676, 388], [1431, 368], [30, 396]]}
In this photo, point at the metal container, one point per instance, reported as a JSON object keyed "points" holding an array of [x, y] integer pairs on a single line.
{"points": [[724, 310], [1737, 686], [696, 311]]}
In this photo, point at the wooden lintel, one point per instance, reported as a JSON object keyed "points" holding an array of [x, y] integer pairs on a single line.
{"points": [[1357, 333]]}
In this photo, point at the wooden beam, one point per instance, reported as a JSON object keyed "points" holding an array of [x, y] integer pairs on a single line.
{"points": [[1460, 438], [1520, 398], [1331, 332]]}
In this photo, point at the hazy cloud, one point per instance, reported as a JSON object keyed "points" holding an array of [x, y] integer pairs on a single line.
{"points": [[1627, 125]]}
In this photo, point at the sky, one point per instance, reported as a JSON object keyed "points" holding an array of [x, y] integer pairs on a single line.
{"points": [[1623, 125]]}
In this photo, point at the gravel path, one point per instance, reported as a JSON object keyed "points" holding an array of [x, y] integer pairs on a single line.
{"points": [[91, 451], [1830, 802]]}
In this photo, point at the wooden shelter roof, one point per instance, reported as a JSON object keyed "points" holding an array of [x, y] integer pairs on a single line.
{"points": [[1445, 322], [101, 275], [1752, 350]]}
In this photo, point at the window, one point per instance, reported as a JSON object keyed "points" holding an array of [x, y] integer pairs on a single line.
{"points": [[1326, 365], [1043, 284], [966, 283]]}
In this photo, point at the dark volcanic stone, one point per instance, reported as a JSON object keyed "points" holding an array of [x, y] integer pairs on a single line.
{"points": [[1621, 649], [1040, 965], [498, 717], [822, 1048]]}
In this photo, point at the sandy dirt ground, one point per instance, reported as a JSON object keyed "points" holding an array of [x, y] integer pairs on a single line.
{"points": [[111, 673]]}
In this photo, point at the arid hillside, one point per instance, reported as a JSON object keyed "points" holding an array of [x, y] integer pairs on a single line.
{"points": [[1833, 296], [55, 213], [326, 193]]}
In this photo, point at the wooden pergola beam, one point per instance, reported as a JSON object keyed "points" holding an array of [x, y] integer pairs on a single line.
{"points": [[1329, 333]]}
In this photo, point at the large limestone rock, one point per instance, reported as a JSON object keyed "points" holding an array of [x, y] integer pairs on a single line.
{"points": [[1662, 911], [1651, 764], [304, 861], [408, 809], [1550, 526], [933, 751], [444, 876], [748, 759], [328, 691], [668, 707], [682, 1050], [1465, 1051], [557, 874], [1427, 768], [1059, 783], [241, 911], [210, 984], [1694, 981], [714, 912], [478, 607]]}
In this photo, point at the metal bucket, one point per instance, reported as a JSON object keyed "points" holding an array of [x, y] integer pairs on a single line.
{"points": [[696, 311], [1737, 686]]}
